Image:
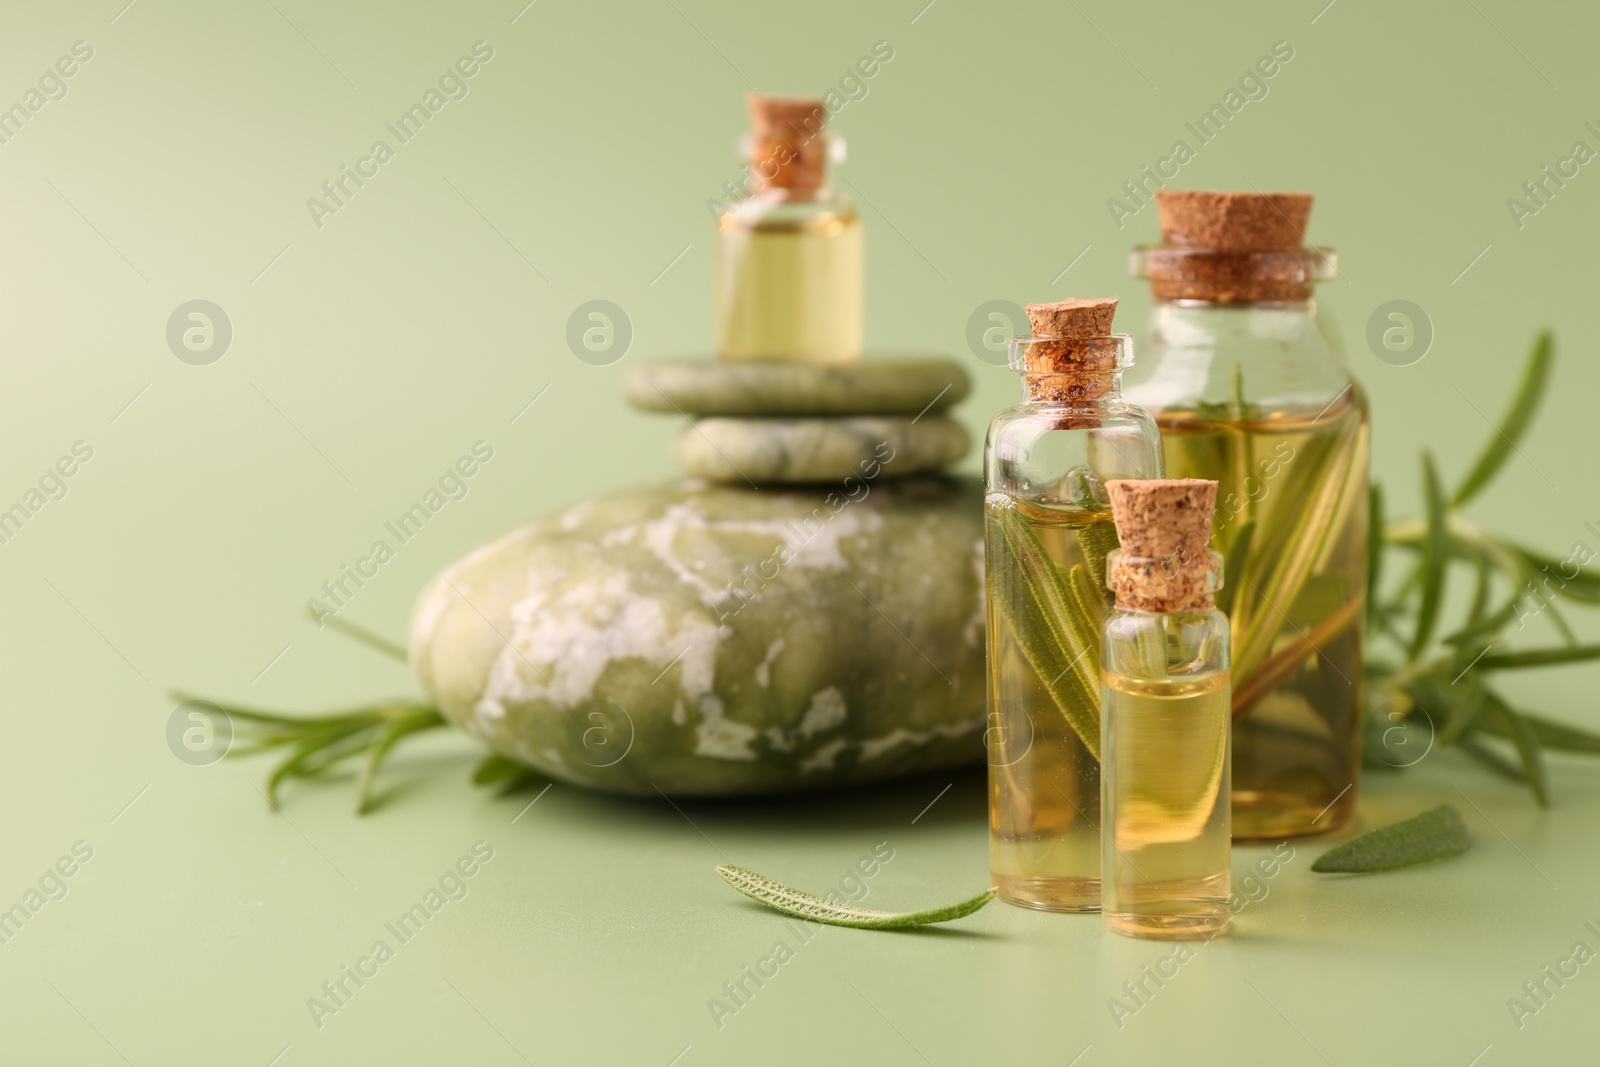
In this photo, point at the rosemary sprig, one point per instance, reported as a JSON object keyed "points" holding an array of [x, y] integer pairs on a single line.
{"points": [[803, 905], [317, 744], [1448, 681]]}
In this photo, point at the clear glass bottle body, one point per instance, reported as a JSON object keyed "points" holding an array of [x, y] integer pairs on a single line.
{"points": [[1165, 774], [1047, 531], [788, 277], [1253, 396]]}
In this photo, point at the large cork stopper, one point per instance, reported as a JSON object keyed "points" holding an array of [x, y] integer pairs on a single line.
{"points": [[787, 149], [1165, 562], [1072, 355], [1233, 248], [1233, 222]]}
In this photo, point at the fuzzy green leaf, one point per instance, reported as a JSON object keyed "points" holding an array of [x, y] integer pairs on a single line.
{"points": [[1513, 425], [1434, 835], [803, 905]]}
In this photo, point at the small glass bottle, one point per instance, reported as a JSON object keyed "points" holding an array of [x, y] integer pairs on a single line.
{"points": [[1047, 531], [788, 273], [1249, 392], [1164, 727]]}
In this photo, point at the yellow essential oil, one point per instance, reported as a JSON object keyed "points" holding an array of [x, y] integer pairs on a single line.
{"points": [[1166, 812], [1166, 714], [789, 288]]}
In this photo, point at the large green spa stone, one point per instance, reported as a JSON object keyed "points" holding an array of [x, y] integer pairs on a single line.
{"points": [[706, 640]]}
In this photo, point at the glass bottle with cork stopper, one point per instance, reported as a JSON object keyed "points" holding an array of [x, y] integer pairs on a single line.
{"points": [[1047, 531], [1249, 392], [788, 273], [1165, 717]]}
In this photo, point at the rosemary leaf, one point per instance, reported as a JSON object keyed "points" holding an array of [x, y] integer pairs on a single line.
{"points": [[1434, 558], [1043, 616], [1374, 548], [1490, 759], [495, 768], [1556, 735], [1463, 711], [361, 635], [804, 905], [1512, 425], [1434, 835], [1513, 726], [1233, 567], [1537, 657]]}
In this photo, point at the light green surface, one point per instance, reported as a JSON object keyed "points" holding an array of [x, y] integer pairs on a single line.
{"points": [[414, 323]]}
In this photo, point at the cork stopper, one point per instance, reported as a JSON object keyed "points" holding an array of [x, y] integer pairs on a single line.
{"points": [[1233, 222], [1072, 354], [1165, 562], [786, 148], [1233, 248]]}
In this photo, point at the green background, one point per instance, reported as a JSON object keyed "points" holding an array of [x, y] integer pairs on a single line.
{"points": [[369, 353]]}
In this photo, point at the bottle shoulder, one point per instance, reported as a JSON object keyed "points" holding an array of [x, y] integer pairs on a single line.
{"points": [[780, 209]]}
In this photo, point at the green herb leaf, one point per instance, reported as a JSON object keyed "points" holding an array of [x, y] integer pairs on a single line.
{"points": [[1513, 425], [804, 905], [1557, 735], [1434, 835], [1522, 738], [1374, 548], [1053, 637], [1233, 566], [1434, 556], [1491, 759], [360, 634], [1537, 657]]}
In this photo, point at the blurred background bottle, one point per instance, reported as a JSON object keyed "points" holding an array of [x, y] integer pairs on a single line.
{"points": [[788, 273]]}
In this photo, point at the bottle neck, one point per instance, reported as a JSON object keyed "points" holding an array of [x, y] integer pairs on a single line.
{"points": [[1074, 389]]}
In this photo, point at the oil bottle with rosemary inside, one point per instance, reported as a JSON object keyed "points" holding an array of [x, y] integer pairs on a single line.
{"points": [[1047, 531], [1248, 391]]}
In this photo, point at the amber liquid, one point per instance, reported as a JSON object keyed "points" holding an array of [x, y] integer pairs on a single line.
{"points": [[790, 289], [1294, 601], [1166, 871], [1044, 782]]}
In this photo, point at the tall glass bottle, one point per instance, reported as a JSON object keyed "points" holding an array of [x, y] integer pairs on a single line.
{"points": [[1164, 717], [1047, 531], [788, 273], [1249, 392]]}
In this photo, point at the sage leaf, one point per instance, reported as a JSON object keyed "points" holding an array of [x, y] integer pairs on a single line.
{"points": [[1513, 425], [1433, 835], [803, 905], [1435, 552]]}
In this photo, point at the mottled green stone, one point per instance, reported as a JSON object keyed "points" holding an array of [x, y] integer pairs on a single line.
{"points": [[880, 386], [707, 640], [800, 451]]}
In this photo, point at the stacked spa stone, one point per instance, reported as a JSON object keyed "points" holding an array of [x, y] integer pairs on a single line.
{"points": [[797, 423]]}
